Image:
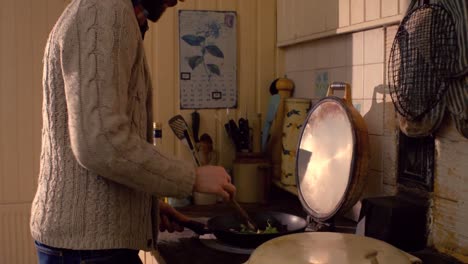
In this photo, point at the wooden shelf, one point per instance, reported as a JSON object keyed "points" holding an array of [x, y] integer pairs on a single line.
{"points": [[288, 188]]}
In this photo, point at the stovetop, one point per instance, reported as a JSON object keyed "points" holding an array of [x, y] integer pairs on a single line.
{"points": [[188, 247]]}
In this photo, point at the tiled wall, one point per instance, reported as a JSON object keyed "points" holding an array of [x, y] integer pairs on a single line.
{"points": [[359, 59]]}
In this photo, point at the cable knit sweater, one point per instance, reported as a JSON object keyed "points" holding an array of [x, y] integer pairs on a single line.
{"points": [[98, 174]]}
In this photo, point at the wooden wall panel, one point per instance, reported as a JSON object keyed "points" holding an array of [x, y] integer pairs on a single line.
{"points": [[24, 108], [24, 28], [389, 8], [16, 245], [9, 168], [255, 19], [344, 13], [372, 9]]}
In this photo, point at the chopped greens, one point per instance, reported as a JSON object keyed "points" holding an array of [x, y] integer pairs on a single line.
{"points": [[268, 230]]}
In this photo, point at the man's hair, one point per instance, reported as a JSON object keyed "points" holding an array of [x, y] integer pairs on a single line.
{"points": [[155, 8]]}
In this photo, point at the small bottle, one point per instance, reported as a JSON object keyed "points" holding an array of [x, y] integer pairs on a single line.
{"points": [[157, 135]]}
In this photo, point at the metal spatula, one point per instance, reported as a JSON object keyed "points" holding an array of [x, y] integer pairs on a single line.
{"points": [[182, 132]]}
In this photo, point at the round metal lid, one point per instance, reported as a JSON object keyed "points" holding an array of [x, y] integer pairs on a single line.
{"points": [[324, 163], [331, 248]]}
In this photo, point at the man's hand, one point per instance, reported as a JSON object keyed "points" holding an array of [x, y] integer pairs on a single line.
{"points": [[170, 218], [214, 180]]}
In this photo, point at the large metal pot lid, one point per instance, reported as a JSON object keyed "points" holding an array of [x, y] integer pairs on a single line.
{"points": [[324, 163], [331, 248]]}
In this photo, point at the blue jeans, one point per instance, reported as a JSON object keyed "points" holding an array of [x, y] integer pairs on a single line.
{"points": [[50, 255]]}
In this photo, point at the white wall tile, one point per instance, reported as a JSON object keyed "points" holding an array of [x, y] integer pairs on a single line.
{"points": [[300, 84], [357, 47], [390, 33], [357, 82], [358, 104], [373, 112], [323, 54], [309, 77], [357, 11], [373, 77], [372, 11], [321, 81], [340, 74], [310, 55], [344, 13], [339, 51], [293, 58], [389, 8], [374, 46], [375, 145]]}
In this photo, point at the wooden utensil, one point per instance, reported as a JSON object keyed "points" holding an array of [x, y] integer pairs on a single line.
{"points": [[182, 131]]}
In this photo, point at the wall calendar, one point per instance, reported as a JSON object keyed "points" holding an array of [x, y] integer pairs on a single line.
{"points": [[208, 59]]}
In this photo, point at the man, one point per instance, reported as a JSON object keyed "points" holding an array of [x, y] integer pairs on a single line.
{"points": [[99, 179]]}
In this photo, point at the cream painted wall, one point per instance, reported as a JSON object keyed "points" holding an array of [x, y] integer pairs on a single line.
{"points": [[24, 27], [256, 70]]}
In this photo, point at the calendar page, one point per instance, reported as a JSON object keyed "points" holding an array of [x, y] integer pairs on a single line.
{"points": [[208, 59]]}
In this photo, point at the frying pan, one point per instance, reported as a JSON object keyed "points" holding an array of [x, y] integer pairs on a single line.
{"points": [[224, 226]]}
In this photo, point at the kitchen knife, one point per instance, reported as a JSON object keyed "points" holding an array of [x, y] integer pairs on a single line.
{"points": [[195, 125], [244, 134], [235, 134]]}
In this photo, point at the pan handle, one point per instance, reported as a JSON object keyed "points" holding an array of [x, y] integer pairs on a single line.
{"points": [[195, 226], [341, 86]]}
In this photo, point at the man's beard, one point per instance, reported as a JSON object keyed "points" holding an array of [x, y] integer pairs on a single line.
{"points": [[155, 8]]}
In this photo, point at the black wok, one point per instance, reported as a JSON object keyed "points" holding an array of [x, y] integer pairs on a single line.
{"points": [[226, 228]]}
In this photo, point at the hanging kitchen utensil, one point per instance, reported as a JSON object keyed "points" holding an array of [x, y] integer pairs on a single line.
{"points": [[182, 132], [332, 156], [195, 125], [270, 116], [422, 60]]}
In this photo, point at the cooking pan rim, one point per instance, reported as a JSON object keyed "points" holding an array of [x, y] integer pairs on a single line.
{"points": [[302, 225]]}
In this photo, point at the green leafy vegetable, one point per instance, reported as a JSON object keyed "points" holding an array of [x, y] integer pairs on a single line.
{"points": [[268, 230]]}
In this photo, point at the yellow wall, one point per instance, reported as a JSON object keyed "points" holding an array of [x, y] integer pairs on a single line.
{"points": [[24, 27]]}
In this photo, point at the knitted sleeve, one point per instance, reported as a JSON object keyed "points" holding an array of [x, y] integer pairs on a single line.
{"points": [[98, 54]]}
